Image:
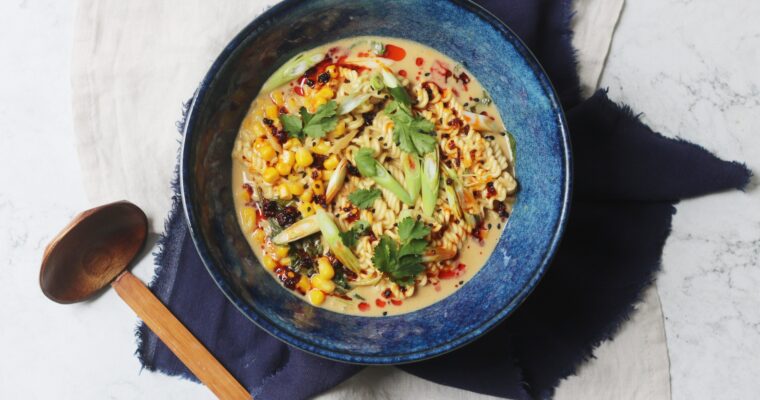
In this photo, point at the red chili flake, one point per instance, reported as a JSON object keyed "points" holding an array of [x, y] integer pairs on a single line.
{"points": [[456, 92], [248, 188], [501, 209], [402, 73], [396, 302], [464, 78], [363, 54], [490, 190], [452, 144], [380, 303], [298, 90], [437, 287], [394, 52], [363, 306], [419, 61], [352, 216]]}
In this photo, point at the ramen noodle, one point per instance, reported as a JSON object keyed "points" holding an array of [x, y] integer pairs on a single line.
{"points": [[373, 176]]}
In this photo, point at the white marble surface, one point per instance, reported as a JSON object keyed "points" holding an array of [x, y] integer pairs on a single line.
{"points": [[690, 66]]}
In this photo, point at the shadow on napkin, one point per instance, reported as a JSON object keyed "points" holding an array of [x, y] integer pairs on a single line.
{"points": [[626, 180]]}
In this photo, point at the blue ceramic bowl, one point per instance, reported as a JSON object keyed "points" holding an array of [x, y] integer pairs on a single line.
{"points": [[530, 109]]}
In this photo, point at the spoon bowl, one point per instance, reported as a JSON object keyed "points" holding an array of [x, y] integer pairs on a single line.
{"points": [[92, 251]]}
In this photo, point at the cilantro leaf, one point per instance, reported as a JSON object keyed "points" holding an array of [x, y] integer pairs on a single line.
{"points": [[409, 230], [401, 265], [364, 198], [314, 125], [365, 162], [292, 125], [399, 94], [413, 247], [411, 133], [324, 120], [351, 236]]}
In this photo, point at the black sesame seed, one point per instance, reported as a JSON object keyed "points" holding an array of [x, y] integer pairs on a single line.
{"points": [[385, 312], [324, 77]]}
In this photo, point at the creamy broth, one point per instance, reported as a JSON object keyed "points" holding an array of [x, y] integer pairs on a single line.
{"points": [[419, 64]]}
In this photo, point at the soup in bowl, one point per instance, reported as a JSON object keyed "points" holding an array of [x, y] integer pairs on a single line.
{"points": [[376, 183]]}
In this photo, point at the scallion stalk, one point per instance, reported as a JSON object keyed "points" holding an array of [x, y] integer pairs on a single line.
{"points": [[292, 69], [412, 175], [331, 234], [371, 168], [430, 182]]}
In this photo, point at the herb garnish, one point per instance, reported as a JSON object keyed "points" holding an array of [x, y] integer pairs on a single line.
{"points": [[411, 133], [351, 236], [364, 198], [313, 125], [403, 263]]}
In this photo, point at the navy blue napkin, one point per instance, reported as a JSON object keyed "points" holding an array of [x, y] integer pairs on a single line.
{"points": [[627, 179]]}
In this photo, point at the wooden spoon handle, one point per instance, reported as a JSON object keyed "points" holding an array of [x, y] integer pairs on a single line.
{"points": [[179, 340]]}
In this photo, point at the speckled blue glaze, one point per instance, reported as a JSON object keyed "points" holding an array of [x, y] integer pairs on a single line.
{"points": [[530, 110]]}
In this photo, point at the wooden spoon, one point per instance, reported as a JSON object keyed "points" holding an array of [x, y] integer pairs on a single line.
{"points": [[94, 250]]}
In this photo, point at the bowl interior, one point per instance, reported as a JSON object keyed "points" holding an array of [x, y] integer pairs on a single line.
{"points": [[530, 111]]}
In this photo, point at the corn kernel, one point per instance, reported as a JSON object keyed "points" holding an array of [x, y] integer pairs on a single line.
{"points": [[270, 175], [285, 261], [259, 236], [259, 129], [308, 102], [325, 93], [269, 263], [303, 284], [326, 269], [304, 158], [326, 175], [319, 101], [307, 196], [287, 157], [306, 209], [318, 188], [283, 193], [271, 111], [248, 215], [331, 162], [281, 251], [266, 152], [322, 148], [282, 168], [340, 129], [243, 196], [323, 284], [277, 98], [316, 297], [291, 143], [260, 141], [332, 71], [295, 188]]}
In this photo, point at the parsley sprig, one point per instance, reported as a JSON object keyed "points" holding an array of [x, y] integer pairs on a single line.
{"points": [[402, 263], [313, 125]]}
